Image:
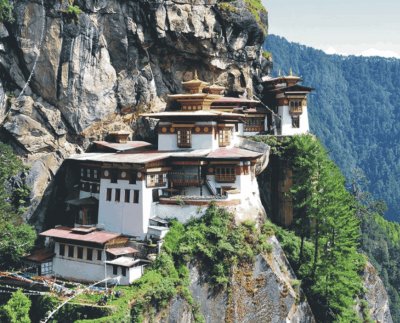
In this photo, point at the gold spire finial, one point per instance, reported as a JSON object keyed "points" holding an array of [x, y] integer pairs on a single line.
{"points": [[195, 75], [291, 72]]}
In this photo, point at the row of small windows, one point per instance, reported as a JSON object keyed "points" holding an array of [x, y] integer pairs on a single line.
{"points": [[296, 103], [90, 187], [254, 122], [127, 195], [115, 270], [69, 251], [184, 137], [114, 174], [90, 173]]}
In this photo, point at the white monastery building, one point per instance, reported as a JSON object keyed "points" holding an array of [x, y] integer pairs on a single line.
{"points": [[129, 189]]}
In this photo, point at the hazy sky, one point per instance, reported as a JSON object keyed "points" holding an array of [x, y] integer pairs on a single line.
{"points": [[339, 26]]}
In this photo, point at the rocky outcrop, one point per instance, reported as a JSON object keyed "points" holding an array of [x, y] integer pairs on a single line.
{"points": [[66, 79], [375, 301], [266, 291]]}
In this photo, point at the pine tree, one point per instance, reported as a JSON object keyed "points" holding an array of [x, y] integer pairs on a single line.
{"points": [[326, 216], [17, 308]]}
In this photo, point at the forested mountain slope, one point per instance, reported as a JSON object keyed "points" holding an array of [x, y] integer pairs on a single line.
{"points": [[355, 111]]}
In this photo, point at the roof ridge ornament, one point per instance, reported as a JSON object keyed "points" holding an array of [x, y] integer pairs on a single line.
{"points": [[195, 75]]}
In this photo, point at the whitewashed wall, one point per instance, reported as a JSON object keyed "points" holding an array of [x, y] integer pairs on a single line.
{"points": [[286, 122], [122, 217]]}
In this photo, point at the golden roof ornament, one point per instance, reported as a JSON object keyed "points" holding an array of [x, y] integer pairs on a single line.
{"points": [[194, 86]]}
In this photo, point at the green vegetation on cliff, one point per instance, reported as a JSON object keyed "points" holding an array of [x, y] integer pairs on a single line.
{"points": [[6, 11], [324, 251], [16, 237], [213, 243]]}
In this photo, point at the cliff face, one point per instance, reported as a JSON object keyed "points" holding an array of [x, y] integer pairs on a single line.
{"points": [[376, 297], [80, 73], [263, 292]]}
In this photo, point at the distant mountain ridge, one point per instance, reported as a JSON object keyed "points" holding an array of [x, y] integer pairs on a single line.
{"points": [[355, 111]]}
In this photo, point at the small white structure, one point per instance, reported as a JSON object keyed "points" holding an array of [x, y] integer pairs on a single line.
{"points": [[289, 100], [86, 254]]}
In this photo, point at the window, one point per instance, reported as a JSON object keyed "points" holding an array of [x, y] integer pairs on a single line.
{"points": [[224, 137], [296, 106], [71, 251], [184, 138], [123, 270], [115, 270], [156, 180], [295, 121], [95, 173], [94, 188], [62, 249], [156, 196], [117, 194], [109, 192], [136, 196], [82, 172], [80, 252], [47, 268], [88, 173], [225, 174], [132, 178], [89, 253], [99, 255], [127, 196], [114, 175]]}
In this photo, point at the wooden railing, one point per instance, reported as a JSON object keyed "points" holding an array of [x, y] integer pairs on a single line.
{"points": [[225, 178], [185, 179]]}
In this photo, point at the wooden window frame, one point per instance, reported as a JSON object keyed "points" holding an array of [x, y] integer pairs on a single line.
{"points": [[61, 249], [99, 254], [89, 254], [117, 197], [79, 253], [224, 137], [156, 180], [136, 196], [184, 137], [225, 174], [127, 196], [71, 250], [109, 194]]}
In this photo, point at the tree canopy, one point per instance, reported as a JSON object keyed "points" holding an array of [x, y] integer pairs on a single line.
{"points": [[327, 258], [17, 309]]}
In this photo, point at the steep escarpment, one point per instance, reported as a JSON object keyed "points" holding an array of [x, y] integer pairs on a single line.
{"points": [[66, 77]]}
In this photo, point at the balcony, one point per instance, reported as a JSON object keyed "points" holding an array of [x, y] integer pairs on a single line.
{"points": [[185, 200], [249, 128], [181, 179], [296, 110], [225, 178]]}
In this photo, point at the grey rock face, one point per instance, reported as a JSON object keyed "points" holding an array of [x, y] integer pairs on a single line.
{"points": [[126, 55], [376, 296], [117, 57], [263, 292]]}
